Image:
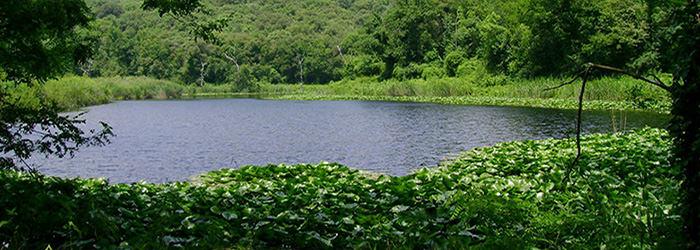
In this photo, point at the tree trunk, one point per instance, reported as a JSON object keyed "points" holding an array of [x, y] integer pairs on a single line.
{"points": [[685, 128], [686, 131], [202, 69], [238, 67], [300, 61]]}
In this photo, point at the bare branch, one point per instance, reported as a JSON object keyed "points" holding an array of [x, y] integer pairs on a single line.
{"points": [[657, 82], [233, 60], [566, 83], [584, 76]]}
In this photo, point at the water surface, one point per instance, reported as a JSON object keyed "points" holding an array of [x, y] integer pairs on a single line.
{"points": [[159, 141]]}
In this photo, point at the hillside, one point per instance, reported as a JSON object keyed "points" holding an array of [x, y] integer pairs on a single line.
{"points": [[267, 39]]}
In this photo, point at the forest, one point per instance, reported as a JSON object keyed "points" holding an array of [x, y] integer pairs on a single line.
{"points": [[323, 41], [397, 70]]}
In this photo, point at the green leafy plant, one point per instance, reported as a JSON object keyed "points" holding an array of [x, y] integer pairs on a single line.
{"points": [[506, 196]]}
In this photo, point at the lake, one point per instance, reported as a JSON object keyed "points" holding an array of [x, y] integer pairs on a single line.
{"points": [[161, 141]]}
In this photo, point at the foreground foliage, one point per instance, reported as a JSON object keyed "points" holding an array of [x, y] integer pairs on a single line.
{"points": [[625, 195]]}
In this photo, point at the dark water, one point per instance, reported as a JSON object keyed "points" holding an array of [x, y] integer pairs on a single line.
{"points": [[159, 141]]}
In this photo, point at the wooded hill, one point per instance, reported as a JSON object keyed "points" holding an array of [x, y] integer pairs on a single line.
{"points": [[318, 41]]}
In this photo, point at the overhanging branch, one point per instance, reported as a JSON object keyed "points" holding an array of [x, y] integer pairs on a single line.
{"points": [[584, 75], [656, 82]]}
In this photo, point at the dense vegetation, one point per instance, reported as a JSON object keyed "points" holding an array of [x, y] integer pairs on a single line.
{"points": [[496, 52], [625, 195], [271, 41], [323, 40], [624, 192]]}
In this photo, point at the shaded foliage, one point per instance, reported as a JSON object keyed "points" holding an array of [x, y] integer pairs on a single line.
{"points": [[48, 45], [40, 40], [245, 41]]}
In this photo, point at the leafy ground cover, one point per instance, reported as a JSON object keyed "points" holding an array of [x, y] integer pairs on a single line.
{"points": [[482, 101], [512, 195]]}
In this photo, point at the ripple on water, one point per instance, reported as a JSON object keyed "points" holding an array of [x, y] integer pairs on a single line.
{"points": [[160, 141]]}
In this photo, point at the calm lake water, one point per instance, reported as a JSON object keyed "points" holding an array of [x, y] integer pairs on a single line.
{"points": [[160, 141]]}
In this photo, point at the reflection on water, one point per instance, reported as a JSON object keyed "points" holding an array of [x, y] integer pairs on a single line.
{"points": [[160, 141]]}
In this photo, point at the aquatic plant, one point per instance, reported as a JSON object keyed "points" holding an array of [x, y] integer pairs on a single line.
{"points": [[509, 195]]}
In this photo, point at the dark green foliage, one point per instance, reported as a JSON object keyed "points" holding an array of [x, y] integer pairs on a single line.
{"points": [[685, 124], [526, 38], [26, 27], [507, 196], [32, 126], [324, 41], [175, 7], [40, 40]]}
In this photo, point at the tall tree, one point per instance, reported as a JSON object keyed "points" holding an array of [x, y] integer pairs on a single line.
{"points": [[685, 124], [40, 39], [685, 121]]}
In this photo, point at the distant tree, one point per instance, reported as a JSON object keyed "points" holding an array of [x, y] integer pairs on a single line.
{"points": [[411, 30]]}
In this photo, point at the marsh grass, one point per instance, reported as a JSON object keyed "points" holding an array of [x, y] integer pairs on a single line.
{"points": [[70, 93], [604, 89], [603, 93]]}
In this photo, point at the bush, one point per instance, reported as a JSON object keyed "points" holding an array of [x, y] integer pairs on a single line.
{"points": [[432, 72], [452, 62], [72, 93], [359, 66], [411, 71]]}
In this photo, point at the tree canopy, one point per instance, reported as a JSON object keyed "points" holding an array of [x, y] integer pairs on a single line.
{"points": [[40, 40], [322, 41]]}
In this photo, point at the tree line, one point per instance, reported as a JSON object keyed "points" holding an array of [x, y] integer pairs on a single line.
{"points": [[319, 41], [272, 41]]}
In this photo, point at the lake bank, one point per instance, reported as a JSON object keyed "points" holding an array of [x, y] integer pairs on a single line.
{"points": [[512, 195], [619, 93]]}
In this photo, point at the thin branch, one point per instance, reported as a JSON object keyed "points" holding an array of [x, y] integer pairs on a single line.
{"points": [[578, 117], [233, 60], [579, 114], [563, 84], [566, 83], [584, 76], [41, 133], [657, 82]]}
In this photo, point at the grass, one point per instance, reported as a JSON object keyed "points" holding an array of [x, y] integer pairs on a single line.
{"points": [[512, 195], [620, 93], [605, 93], [71, 93]]}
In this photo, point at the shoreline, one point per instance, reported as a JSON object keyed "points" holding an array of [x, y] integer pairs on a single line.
{"points": [[550, 103], [609, 94]]}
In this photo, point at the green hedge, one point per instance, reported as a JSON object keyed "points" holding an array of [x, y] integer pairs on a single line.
{"points": [[625, 195]]}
